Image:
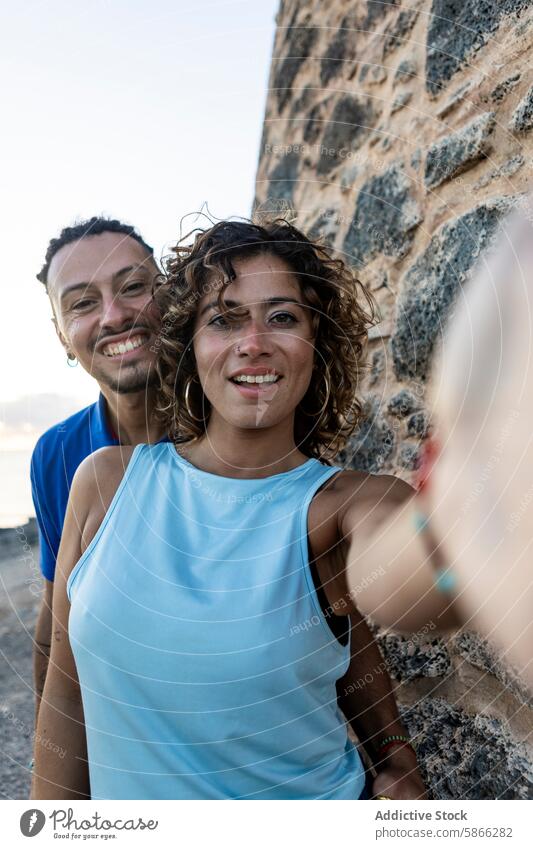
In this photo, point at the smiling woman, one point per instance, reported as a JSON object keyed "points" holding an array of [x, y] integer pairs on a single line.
{"points": [[317, 311]]}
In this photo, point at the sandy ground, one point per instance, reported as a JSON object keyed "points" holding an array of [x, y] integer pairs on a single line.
{"points": [[20, 587]]}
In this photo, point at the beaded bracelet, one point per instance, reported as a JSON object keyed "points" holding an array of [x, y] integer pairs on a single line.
{"points": [[445, 580], [395, 740]]}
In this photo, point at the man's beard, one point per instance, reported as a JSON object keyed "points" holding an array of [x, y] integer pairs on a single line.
{"points": [[137, 379]]}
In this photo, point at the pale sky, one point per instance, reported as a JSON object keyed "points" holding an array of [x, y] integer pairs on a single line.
{"points": [[139, 110]]}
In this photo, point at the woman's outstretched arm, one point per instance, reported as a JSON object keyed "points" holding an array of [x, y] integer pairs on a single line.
{"points": [[388, 568]]}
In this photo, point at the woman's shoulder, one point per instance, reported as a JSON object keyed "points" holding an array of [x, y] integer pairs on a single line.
{"points": [[95, 484], [351, 486], [352, 480], [103, 467]]}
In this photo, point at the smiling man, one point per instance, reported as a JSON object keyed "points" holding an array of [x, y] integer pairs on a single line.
{"points": [[99, 276]]}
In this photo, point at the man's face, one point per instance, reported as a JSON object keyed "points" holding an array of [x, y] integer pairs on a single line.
{"points": [[275, 339], [100, 288]]}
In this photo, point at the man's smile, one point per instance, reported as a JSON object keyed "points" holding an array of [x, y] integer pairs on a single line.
{"points": [[124, 344]]}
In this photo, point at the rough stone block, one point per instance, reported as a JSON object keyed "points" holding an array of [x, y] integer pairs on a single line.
{"points": [[386, 215], [372, 74], [341, 50], [403, 403], [347, 128], [378, 280], [467, 757], [372, 444], [522, 118], [457, 29], [396, 33], [377, 367], [415, 656], [385, 143], [502, 89], [457, 97], [284, 177], [300, 42], [400, 101], [431, 284], [376, 9], [416, 159], [507, 169], [409, 457], [315, 122], [418, 425], [405, 71], [325, 227], [348, 177], [482, 654], [458, 151], [301, 103]]}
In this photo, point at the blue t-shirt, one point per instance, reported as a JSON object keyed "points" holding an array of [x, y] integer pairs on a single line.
{"points": [[56, 456]]}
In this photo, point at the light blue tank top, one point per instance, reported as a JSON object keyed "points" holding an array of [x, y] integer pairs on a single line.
{"points": [[206, 664]]}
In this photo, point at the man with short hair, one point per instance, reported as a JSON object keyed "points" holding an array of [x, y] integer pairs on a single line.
{"points": [[99, 276]]}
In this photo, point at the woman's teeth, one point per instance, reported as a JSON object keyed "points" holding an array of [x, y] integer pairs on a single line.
{"points": [[259, 378], [123, 347]]}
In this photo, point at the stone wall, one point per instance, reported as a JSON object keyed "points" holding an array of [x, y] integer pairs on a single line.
{"points": [[401, 133]]}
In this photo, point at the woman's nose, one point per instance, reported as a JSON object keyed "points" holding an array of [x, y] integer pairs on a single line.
{"points": [[254, 339]]}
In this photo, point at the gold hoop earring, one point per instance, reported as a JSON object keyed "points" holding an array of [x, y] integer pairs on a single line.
{"points": [[325, 404], [186, 399]]}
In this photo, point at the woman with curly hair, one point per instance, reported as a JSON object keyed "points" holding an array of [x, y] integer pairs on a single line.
{"points": [[186, 606]]}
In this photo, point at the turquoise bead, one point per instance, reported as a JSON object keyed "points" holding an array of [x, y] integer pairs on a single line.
{"points": [[420, 520], [445, 581]]}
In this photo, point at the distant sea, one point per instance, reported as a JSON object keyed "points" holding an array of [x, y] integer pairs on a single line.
{"points": [[16, 505]]}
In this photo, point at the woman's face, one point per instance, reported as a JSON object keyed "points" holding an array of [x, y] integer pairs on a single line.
{"points": [[273, 340]]}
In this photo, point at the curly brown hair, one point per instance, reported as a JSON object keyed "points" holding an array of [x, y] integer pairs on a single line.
{"points": [[342, 312]]}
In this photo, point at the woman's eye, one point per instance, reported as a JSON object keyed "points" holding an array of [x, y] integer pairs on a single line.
{"points": [[281, 318], [132, 287], [285, 315], [218, 318]]}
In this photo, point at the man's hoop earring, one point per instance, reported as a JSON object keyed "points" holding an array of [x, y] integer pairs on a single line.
{"points": [[328, 392], [186, 400], [71, 361]]}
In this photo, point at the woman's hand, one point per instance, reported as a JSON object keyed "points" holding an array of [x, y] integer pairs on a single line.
{"points": [[398, 777], [482, 484]]}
